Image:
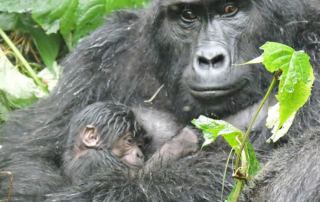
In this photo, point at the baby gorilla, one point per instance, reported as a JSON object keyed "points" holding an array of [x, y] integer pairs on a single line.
{"points": [[103, 136], [107, 144]]}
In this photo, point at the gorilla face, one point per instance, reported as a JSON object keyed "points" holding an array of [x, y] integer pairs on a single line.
{"points": [[200, 41]]}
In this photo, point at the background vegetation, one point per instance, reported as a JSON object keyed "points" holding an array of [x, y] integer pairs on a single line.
{"points": [[35, 34]]}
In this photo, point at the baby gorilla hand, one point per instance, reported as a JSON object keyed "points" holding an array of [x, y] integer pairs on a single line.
{"points": [[187, 141]]}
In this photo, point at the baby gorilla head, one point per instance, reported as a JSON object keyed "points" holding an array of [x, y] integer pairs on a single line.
{"points": [[128, 149], [103, 136]]}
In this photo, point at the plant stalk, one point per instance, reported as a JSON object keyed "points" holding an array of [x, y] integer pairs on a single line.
{"points": [[253, 120], [29, 69], [237, 191]]}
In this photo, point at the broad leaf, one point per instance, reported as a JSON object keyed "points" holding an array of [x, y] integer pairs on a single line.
{"points": [[20, 90], [296, 77], [68, 22], [276, 56], [90, 16], [295, 85], [48, 46], [214, 128], [49, 16]]}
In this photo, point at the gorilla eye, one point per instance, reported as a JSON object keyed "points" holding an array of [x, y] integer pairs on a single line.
{"points": [[188, 16], [130, 141], [230, 9]]}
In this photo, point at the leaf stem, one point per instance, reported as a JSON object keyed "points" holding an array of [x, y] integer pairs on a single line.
{"points": [[225, 173], [236, 193], [29, 69], [253, 120]]}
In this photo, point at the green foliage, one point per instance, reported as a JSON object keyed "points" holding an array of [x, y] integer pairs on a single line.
{"points": [[296, 78], [53, 22], [73, 19], [53, 25], [17, 89], [276, 56], [212, 129]]}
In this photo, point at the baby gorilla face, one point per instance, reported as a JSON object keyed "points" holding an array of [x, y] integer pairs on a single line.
{"points": [[129, 150], [127, 147]]}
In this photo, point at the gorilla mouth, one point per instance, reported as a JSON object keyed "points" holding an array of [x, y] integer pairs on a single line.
{"points": [[211, 92]]}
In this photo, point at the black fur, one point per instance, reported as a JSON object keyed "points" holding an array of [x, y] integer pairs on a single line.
{"points": [[130, 57]]}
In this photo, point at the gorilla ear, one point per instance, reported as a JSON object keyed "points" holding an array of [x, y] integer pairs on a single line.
{"points": [[90, 137]]}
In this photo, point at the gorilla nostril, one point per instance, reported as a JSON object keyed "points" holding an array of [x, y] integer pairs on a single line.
{"points": [[203, 61], [217, 60]]}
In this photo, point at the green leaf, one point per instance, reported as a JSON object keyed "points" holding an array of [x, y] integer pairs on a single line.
{"points": [[295, 82], [20, 90], [253, 163], [19, 6], [48, 46], [214, 128], [295, 85], [91, 15], [276, 56], [234, 195], [68, 22], [48, 17], [8, 21]]}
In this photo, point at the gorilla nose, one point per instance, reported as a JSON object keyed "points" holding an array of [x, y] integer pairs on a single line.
{"points": [[211, 58], [140, 155]]}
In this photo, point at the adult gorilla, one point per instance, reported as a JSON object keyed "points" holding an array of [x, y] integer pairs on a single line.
{"points": [[189, 46]]}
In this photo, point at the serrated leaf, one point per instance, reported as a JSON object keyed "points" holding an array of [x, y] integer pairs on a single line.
{"points": [[214, 128], [295, 85], [296, 77], [276, 55]]}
